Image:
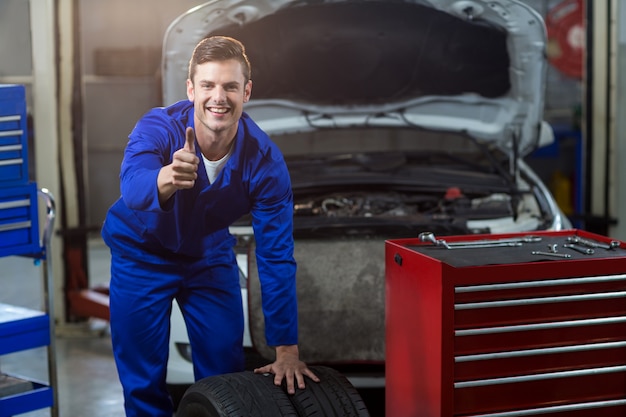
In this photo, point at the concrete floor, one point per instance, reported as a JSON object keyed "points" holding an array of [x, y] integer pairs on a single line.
{"points": [[87, 379], [86, 373]]}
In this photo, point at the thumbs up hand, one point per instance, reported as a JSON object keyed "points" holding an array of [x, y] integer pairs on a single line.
{"points": [[185, 162], [190, 141], [182, 172]]}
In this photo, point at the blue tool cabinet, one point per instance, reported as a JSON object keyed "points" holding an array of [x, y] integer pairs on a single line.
{"points": [[21, 235], [13, 135]]}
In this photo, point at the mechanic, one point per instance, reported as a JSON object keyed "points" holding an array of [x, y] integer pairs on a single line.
{"points": [[189, 171]]}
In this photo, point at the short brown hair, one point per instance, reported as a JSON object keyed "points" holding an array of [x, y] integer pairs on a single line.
{"points": [[219, 48]]}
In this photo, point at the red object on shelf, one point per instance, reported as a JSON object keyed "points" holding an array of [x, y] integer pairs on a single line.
{"points": [[566, 37], [484, 331]]}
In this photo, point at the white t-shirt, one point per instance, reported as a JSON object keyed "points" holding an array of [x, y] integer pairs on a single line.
{"points": [[213, 168]]}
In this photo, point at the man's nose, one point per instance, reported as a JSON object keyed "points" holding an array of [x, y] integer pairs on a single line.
{"points": [[219, 94]]}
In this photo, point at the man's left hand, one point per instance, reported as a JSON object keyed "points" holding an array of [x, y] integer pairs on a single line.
{"points": [[288, 366]]}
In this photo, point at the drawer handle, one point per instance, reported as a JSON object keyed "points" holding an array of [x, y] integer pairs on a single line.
{"points": [[11, 118], [15, 161], [536, 352], [539, 377], [8, 148], [542, 283], [540, 326], [15, 226], [554, 409], [542, 300], [11, 133], [15, 203]]}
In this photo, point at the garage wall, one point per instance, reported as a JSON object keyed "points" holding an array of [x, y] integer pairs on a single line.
{"points": [[16, 57], [16, 63]]}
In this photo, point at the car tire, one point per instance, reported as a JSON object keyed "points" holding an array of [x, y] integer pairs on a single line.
{"points": [[245, 394], [242, 394], [333, 396]]}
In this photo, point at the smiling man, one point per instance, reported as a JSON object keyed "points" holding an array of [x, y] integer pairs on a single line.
{"points": [[189, 171]]}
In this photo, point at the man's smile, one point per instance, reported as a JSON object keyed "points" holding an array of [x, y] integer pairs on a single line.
{"points": [[220, 110]]}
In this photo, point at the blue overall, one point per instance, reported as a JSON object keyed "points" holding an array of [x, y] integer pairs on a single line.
{"points": [[183, 251]]}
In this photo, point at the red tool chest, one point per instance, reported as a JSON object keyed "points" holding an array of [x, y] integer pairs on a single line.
{"points": [[500, 331]]}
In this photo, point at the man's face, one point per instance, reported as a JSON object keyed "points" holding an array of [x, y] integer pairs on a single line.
{"points": [[218, 92]]}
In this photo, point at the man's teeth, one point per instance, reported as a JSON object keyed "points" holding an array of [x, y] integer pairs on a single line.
{"points": [[218, 110]]}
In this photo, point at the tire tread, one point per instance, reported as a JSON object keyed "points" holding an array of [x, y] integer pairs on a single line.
{"points": [[333, 396], [235, 395]]}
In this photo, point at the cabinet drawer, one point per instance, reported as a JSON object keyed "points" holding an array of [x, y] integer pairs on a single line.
{"points": [[19, 225], [525, 392], [22, 328]]}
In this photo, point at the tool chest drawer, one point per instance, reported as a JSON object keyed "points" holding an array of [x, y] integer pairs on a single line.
{"points": [[13, 136], [19, 225], [506, 331], [22, 328]]}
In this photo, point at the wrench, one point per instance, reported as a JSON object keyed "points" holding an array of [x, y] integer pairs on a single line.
{"points": [[586, 251], [592, 244], [477, 245], [558, 255], [524, 239], [430, 237]]}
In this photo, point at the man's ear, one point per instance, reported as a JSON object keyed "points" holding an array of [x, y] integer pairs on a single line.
{"points": [[247, 91], [190, 92]]}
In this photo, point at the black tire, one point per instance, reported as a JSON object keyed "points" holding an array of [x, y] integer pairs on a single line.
{"points": [[333, 396], [242, 394]]}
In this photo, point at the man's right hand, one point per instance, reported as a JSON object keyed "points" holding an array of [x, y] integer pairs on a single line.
{"points": [[183, 170]]}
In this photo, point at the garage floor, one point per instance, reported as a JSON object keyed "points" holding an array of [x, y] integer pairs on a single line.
{"points": [[87, 378]]}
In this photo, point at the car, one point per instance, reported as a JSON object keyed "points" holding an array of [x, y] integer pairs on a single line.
{"points": [[395, 118]]}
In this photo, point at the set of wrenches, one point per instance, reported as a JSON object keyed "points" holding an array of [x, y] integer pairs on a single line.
{"points": [[576, 243]]}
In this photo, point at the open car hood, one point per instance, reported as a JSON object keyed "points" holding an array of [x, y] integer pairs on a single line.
{"points": [[476, 67]]}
